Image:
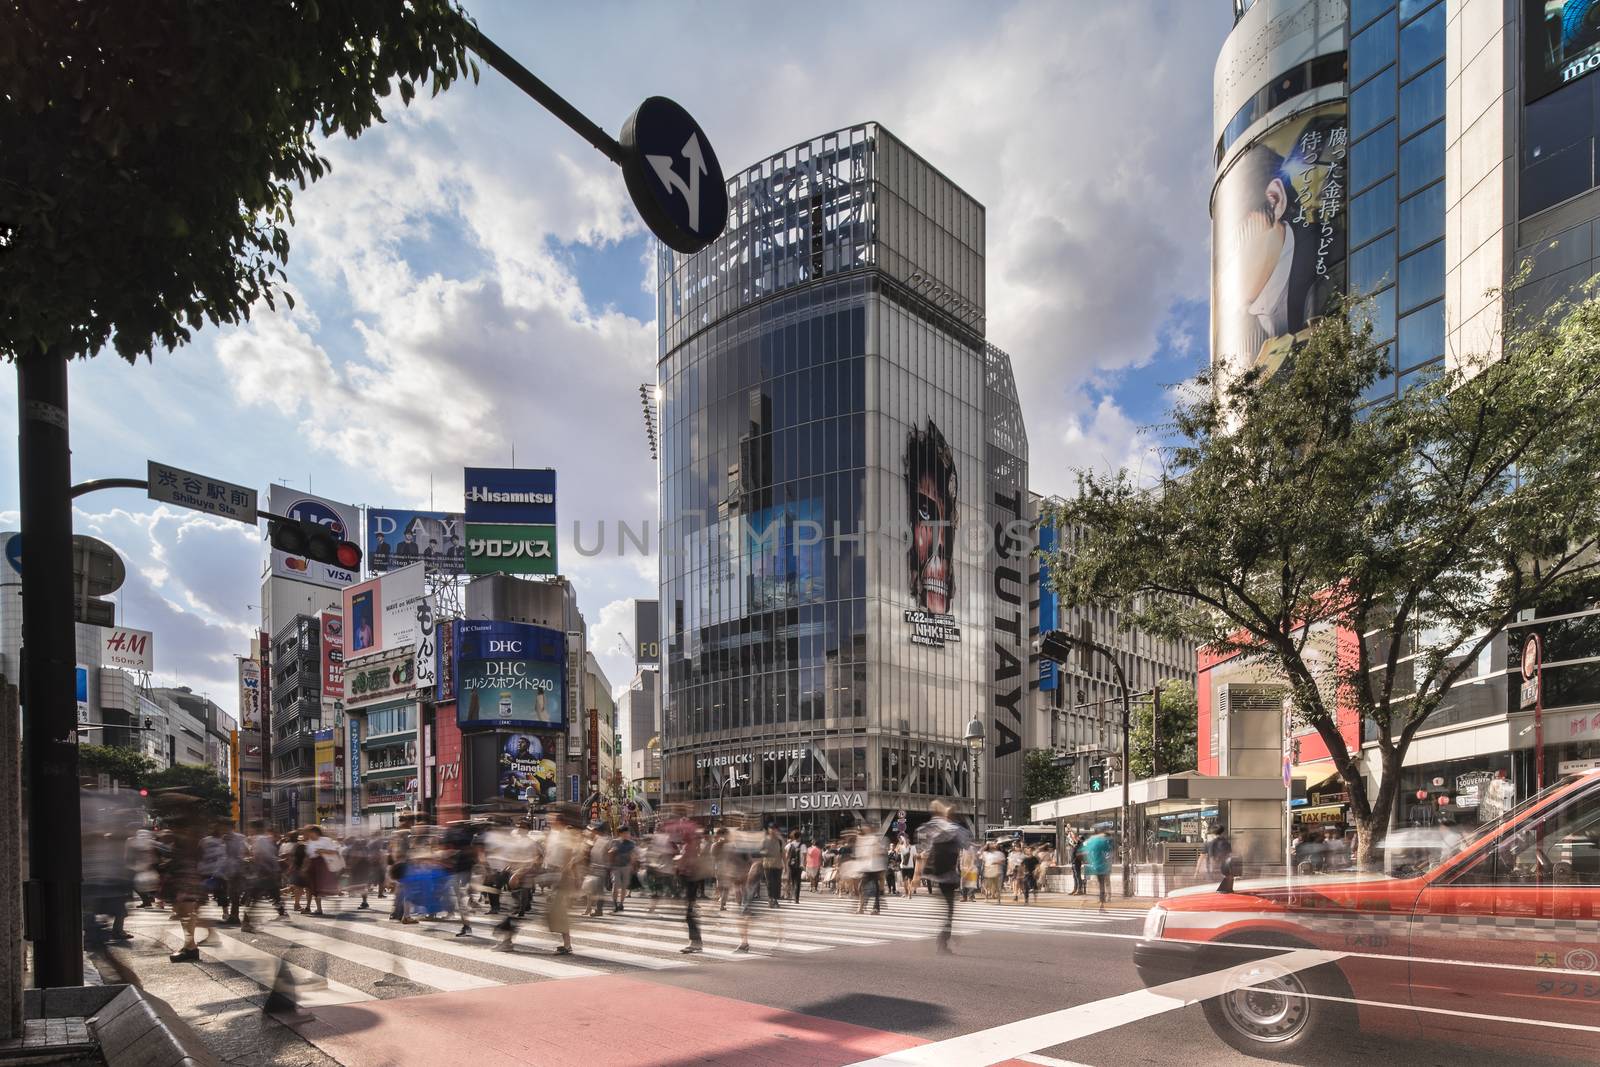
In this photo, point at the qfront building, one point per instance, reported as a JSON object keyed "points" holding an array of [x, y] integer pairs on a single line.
{"points": [[1420, 153], [845, 575]]}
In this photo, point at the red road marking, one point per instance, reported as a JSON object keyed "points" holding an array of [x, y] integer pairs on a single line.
{"points": [[606, 1021]]}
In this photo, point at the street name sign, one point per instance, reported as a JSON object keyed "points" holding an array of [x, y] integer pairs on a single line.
{"points": [[186, 489]]}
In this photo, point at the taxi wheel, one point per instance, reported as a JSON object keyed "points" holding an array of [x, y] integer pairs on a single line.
{"points": [[1278, 1015]]}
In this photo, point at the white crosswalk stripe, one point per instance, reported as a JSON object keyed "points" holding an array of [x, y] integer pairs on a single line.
{"points": [[368, 951]]}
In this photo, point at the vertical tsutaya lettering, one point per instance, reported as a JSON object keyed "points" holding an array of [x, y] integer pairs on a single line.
{"points": [[1008, 591]]}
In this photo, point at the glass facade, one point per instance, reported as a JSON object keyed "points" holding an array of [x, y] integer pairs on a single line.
{"points": [[826, 455], [1397, 104]]}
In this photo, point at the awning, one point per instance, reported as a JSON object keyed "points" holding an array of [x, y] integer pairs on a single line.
{"points": [[1189, 785], [1316, 774]]}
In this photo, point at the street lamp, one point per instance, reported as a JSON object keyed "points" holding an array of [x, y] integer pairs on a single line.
{"points": [[975, 744], [1058, 646]]}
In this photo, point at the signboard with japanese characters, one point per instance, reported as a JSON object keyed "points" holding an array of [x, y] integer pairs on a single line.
{"points": [[186, 489], [498, 548], [385, 677]]}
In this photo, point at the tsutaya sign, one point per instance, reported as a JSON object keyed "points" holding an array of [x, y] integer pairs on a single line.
{"points": [[827, 801]]}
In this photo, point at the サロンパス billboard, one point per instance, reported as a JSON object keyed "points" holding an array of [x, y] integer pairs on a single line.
{"points": [[498, 548], [1278, 239], [509, 674]]}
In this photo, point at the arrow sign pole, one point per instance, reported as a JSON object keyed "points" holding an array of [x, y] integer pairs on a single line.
{"points": [[548, 98]]}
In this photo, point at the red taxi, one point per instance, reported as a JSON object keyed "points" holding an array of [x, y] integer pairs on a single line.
{"points": [[1493, 941]]}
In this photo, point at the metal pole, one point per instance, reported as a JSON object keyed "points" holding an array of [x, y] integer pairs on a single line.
{"points": [[1158, 763], [1127, 845], [49, 661], [552, 102], [1538, 714]]}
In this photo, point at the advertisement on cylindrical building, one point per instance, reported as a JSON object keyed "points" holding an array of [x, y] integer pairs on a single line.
{"points": [[1278, 239], [1563, 43], [509, 674]]}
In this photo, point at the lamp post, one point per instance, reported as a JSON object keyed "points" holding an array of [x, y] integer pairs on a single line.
{"points": [[975, 743], [1058, 646]]}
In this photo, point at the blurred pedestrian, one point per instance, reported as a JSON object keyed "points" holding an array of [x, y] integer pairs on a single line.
{"points": [[772, 864], [1097, 861], [908, 863], [323, 864], [183, 886], [692, 870], [1075, 856], [1029, 875], [871, 859], [992, 863], [939, 845], [794, 863], [624, 863], [814, 864]]}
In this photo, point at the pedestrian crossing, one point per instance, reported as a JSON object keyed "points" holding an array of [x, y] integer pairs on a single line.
{"points": [[350, 955]]}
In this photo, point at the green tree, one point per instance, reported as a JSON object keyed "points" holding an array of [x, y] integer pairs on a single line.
{"points": [[152, 150], [1180, 725], [1042, 780], [1290, 513], [124, 765], [216, 799]]}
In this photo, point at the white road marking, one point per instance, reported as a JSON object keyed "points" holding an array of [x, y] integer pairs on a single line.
{"points": [[311, 990], [444, 979], [1049, 1061], [1010, 1040], [548, 968]]}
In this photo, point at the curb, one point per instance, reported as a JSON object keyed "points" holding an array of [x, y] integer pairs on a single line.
{"points": [[136, 1028]]}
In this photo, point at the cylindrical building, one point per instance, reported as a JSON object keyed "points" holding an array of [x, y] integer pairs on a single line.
{"points": [[839, 447]]}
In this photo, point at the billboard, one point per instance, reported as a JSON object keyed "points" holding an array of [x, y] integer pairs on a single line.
{"points": [[933, 499], [129, 649], [385, 613], [509, 674], [400, 538], [1278, 240], [1562, 42], [1049, 605], [332, 658], [323, 759], [511, 495], [249, 694], [342, 519], [529, 768], [499, 548], [646, 633]]}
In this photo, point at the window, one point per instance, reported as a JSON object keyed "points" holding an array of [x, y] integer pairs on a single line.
{"points": [[1372, 158], [1422, 42], [1372, 266], [1559, 177], [1372, 213], [1558, 121], [1372, 49], [1422, 276], [1364, 11], [1422, 159], [1372, 104], [1421, 101], [1421, 336], [1422, 218], [1560, 847]]}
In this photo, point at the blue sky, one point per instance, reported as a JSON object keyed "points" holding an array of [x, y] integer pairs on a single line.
{"points": [[471, 276]]}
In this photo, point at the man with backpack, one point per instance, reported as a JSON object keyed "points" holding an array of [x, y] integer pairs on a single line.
{"points": [[940, 843]]}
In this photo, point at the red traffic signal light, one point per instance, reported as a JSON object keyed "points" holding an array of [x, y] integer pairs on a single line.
{"points": [[315, 542]]}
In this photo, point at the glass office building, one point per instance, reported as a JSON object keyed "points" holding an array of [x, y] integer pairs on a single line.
{"points": [[837, 443]]}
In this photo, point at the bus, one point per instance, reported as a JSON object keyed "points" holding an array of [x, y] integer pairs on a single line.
{"points": [[1036, 834]]}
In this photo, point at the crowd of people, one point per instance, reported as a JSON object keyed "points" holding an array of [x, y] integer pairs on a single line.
{"points": [[495, 871]]}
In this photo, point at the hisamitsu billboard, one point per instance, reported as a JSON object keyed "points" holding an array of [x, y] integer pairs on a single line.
{"points": [[511, 495]]}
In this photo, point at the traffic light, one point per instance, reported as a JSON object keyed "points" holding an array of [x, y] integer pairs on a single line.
{"points": [[300, 537], [1097, 777]]}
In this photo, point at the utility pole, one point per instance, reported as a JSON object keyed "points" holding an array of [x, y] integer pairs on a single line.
{"points": [[52, 893]]}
